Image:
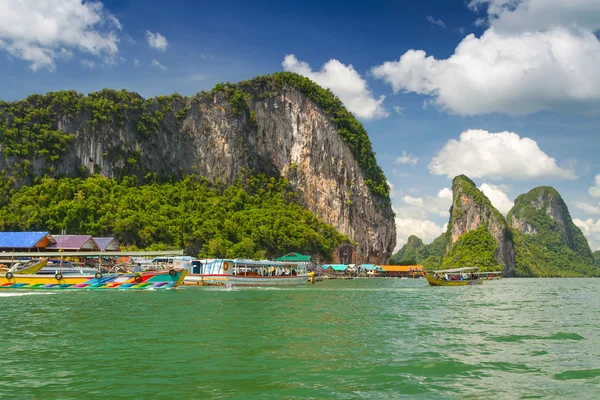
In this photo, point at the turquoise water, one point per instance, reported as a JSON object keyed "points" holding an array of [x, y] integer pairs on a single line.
{"points": [[373, 339]]}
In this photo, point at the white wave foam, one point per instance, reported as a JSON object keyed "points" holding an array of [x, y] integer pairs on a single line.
{"points": [[13, 294]]}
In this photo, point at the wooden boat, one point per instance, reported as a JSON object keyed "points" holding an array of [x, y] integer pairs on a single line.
{"points": [[238, 272], [165, 279], [453, 277]]}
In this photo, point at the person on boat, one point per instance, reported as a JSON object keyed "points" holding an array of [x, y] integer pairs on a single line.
{"points": [[446, 277]]}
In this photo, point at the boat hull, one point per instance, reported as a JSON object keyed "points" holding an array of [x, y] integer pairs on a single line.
{"points": [[144, 280], [433, 281], [241, 280]]}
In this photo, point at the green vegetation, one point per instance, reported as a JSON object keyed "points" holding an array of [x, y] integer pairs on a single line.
{"points": [[416, 252], [256, 217], [476, 248], [558, 247], [30, 128], [597, 258]]}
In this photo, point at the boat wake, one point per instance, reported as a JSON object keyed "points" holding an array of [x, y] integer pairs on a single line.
{"points": [[22, 294]]}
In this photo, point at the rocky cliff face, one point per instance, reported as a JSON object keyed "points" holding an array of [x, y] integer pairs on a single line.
{"points": [[471, 209], [257, 127], [543, 217]]}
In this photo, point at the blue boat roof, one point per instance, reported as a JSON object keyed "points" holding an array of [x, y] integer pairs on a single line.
{"points": [[24, 240]]}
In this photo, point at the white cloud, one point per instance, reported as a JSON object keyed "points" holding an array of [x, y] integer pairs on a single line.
{"points": [[481, 154], [538, 15], [157, 64], [157, 41], [344, 82], [88, 64], [136, 62], [498, 197], [208, 57], [399, 110], [588, 208], [536, 55], [42, 32], [435, 21], [425, 207], [595, 190], [445, 193], [424, 229], [591, 230], [406, 158]]}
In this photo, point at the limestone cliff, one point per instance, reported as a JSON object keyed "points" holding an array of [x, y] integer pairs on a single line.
{"points": [[474, 222], [283, 124], [542, 217]]}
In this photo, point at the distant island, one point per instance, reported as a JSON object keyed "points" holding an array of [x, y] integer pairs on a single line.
{"points": [[537, 238]]}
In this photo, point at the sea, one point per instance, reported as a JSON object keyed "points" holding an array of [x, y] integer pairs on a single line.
{"points": [[336, 339]]}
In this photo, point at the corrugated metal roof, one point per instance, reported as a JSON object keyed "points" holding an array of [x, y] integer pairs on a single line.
{"points": [[21, 240], [104, 242], [336, 267], [402, 268], [294, 257], [74, 242]]}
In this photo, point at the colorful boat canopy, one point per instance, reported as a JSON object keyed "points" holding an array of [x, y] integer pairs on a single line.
{"points": [[25, 240], [442, 271]]}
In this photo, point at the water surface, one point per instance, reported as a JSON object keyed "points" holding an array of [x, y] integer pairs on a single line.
{"points": [[372, 339]]}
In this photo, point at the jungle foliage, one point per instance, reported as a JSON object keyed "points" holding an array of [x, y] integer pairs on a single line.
{"points": [[416, 252], [256, 217]]}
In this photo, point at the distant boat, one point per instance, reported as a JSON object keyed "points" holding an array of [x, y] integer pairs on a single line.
{"points": [[143, 280], [454, 277], [242, 272]]}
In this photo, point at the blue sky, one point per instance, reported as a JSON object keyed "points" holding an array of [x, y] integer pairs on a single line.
{"points": [[503, 91]]}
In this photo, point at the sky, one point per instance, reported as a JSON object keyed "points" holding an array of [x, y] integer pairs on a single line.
{"points": [[503, 91]]}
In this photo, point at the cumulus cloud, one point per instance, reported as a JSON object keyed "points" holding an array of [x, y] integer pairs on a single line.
{"points": [[536, 55], [594, 191], [445, 193], [42, 32], [498, 197], [406, 158], [344, 82], [538, 15], [481, 154], [425, 207], [424, 229], [588, 208], [591, 230], [157, 41], [157, 64]]}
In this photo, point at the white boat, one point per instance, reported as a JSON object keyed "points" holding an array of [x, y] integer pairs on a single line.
{"points": [[242, 272]]}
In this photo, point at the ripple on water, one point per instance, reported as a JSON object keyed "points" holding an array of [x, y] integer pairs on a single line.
{"points": [[368, 339]]}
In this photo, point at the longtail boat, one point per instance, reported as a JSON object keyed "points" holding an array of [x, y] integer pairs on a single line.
{"points": [[27, 270], [454, 277], [165, 279], [240, 272]]}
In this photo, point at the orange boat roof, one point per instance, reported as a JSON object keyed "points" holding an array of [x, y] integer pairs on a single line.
{"points": [[402, 268]]}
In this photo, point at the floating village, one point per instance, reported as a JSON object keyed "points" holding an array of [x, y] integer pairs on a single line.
{"points": [[40, 260]]}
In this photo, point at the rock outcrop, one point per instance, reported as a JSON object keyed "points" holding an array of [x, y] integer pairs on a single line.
{"points": [[262, 125], [472, 211], [543, 218]]}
